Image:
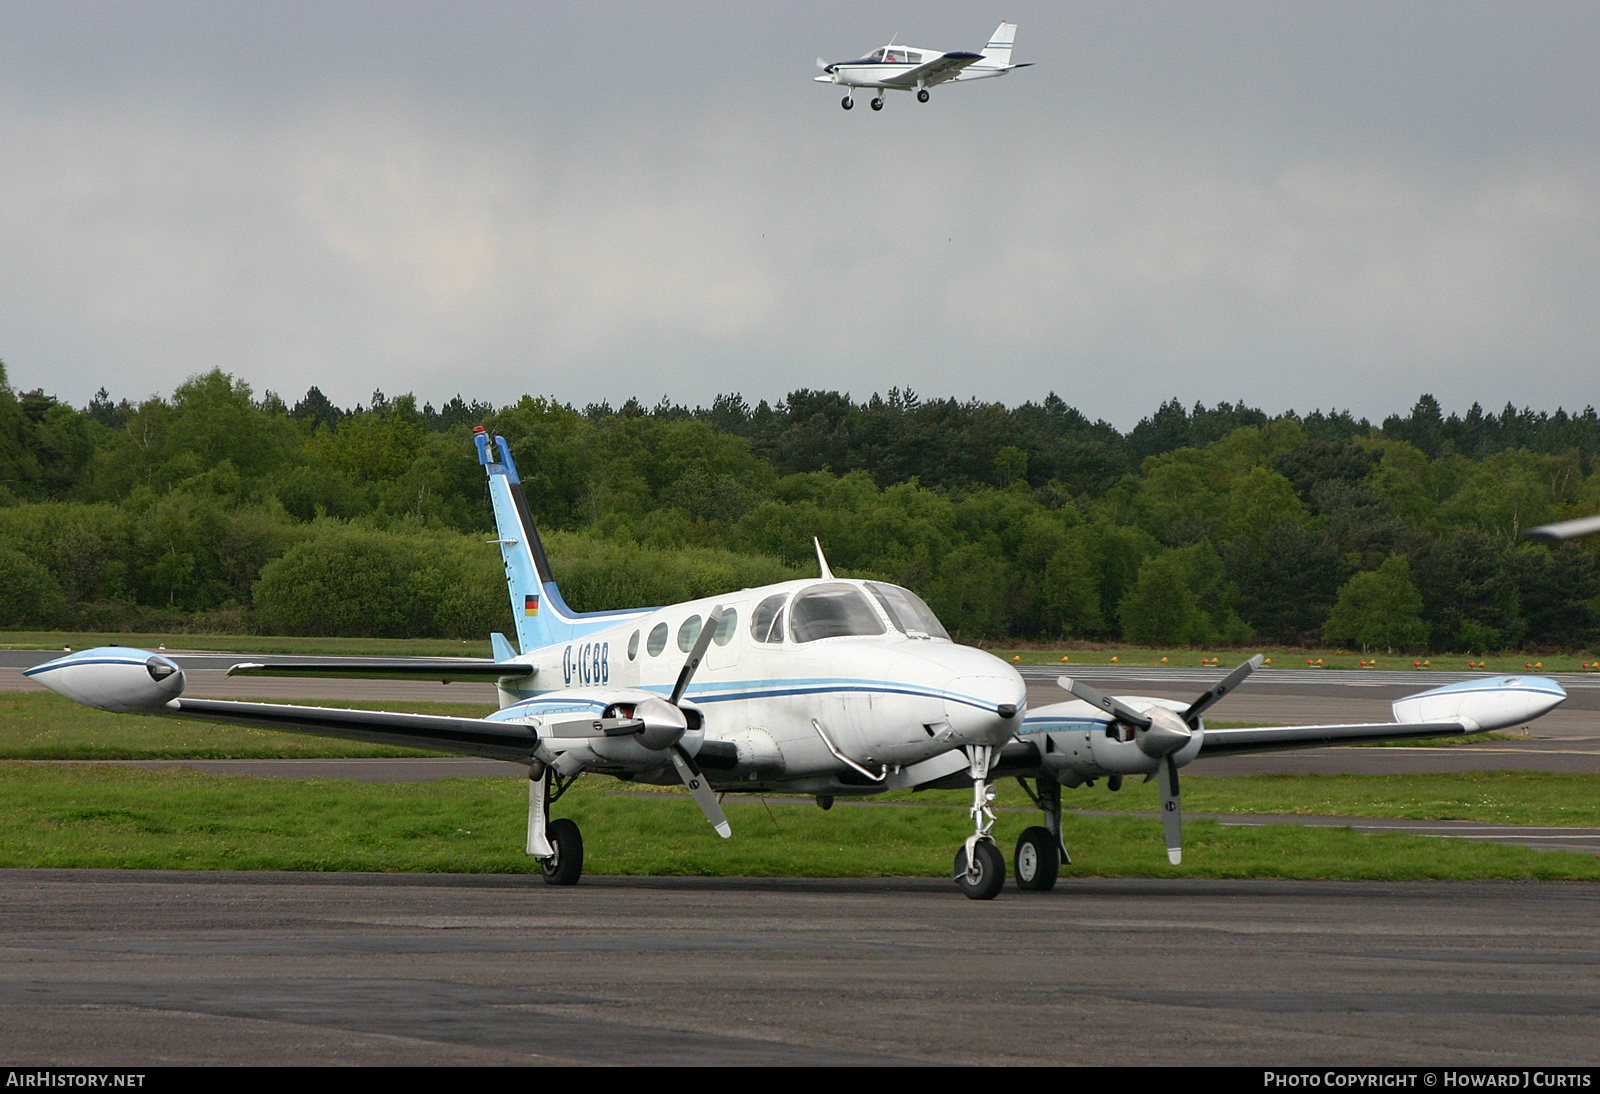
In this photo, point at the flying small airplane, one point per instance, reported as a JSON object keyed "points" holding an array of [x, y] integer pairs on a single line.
{"points": [[826, 687], [905, 68]]}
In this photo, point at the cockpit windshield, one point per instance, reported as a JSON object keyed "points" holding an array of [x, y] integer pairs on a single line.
{"points": [[832, 611], [913, 617]]}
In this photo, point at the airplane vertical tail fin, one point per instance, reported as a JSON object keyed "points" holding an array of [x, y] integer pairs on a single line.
{"points": [[536, 604], [999, 47]]}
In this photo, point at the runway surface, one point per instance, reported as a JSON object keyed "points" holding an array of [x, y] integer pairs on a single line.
{"points": [[132, 968]]}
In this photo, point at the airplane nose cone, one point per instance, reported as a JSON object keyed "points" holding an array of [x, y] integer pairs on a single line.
{"points": [[986, 709]]}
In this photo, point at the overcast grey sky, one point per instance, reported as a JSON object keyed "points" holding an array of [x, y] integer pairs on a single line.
{"points": [[1295, 204]]}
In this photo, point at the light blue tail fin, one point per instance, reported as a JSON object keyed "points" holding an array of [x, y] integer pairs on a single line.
{"points": [[542, 617]]}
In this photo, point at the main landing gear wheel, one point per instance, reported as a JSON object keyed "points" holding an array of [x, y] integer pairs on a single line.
{"points": [[922, 95], [877, 104], [1038, 860], [566, 865], [987, 875], [847, 102]]}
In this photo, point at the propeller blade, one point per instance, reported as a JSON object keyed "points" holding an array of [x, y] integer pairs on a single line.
{"points": [[696, 784], [1171, 810], [1114, 707], [823, 65], [1229, 682], [707, 632]]}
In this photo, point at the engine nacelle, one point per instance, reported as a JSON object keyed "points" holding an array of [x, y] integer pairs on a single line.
{"points": [[1483, 704], [664, 725], [117, 678]]}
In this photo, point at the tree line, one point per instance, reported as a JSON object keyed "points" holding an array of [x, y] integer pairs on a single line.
{"points": [[214, 508]]}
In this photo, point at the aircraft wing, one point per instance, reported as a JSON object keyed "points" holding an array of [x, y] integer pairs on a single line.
{"points": [[442, 669], [944, 67], [1232, 742], [494, 740], [468, 736]]}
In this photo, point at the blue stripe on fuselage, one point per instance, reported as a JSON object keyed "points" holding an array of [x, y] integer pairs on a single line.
{"points": [[757, 689]]}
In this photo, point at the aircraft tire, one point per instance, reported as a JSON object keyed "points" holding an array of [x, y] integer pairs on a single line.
{"points": [[566, 866], [847, 102], [991, 871], [877, 104], [1038, 861], [922, 95]]}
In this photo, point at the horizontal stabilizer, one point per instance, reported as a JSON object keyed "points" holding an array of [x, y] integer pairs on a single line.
{"points": [[442, 669]]}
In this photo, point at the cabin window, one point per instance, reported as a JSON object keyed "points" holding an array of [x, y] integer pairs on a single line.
{"points": [[908, 612], [895, 57], [658, 639], [633, 646], [832, 611], [688, 633], [766, 622], [730, 620]]}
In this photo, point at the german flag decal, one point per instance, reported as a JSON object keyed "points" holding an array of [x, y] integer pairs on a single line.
{"points": [[530, 604]]}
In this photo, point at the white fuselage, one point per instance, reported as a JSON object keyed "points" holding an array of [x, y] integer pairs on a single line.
{"points": [[879, 74], [884, 701]]}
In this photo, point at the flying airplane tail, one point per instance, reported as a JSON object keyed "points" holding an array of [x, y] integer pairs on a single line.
{"points": [[541, 616], [999, 48]]}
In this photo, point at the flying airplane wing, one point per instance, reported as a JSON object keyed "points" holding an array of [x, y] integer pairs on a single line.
{"points": [[946, 66]]}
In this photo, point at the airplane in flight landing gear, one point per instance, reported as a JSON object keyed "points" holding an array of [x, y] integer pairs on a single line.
{"points": [[906, 68], [830, 687]]}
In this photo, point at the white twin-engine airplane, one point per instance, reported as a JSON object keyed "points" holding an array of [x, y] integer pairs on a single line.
{"points": [[829, 687], [904, 68]]}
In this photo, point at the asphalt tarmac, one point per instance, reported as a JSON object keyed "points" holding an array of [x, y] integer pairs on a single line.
{"points": [[130, 969]]}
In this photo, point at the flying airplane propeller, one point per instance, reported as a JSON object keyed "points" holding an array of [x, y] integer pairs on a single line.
{"points": [[1161, 734]]}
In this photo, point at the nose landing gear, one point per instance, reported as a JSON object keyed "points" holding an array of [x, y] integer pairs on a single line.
{"points": [[847, 102], [980, 868]]}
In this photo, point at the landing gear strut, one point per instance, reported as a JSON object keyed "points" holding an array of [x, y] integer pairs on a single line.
{"points": [[980, 868], [1039, 851], [558, 844]]}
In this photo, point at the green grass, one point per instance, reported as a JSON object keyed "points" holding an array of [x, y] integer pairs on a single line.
{"points": [[1494, 797], [250, 643], [37, 725], [131, 818]]}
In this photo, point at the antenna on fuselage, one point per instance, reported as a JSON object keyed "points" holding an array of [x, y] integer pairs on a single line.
{"points": [[822, 560]]}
